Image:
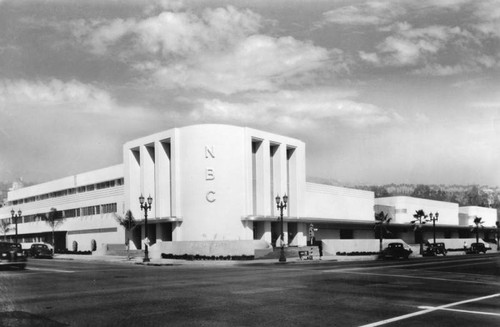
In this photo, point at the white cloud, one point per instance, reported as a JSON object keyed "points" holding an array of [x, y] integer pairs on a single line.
{"points": [[173, 5], [310, 108], [54, 93], [366, 13], [409, 46], [220, 50], [488, 14], [175, 33], [369, 57], [259, 62], [442, 70]]}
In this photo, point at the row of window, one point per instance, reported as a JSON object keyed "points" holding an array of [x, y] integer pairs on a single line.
{"points": [[70, 213], [80, 189]]}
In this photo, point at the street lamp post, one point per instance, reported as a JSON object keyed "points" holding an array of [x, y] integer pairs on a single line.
{"points": [[281, 205], [15, 218], [434, 218], [145, 207]]}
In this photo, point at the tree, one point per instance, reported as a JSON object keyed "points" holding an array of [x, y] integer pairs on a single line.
{"points": [[422, 191], [418, 223], [128, 222], [476, 197], [53, 219], [5, 227], [380, 191], [381, 222], [478, 222]]}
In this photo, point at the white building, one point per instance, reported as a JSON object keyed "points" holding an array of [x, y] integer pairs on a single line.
{"points": [[452, 221], [213, 189], [87, 202]]}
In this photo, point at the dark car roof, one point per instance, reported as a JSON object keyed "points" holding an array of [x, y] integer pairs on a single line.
{"points": [[6, 246]]}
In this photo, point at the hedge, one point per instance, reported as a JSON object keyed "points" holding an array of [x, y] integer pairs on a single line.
{"points": [[192, 257]]}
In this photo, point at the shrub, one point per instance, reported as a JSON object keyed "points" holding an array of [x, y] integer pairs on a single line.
{"points": [[205, 257], [357, 253]]}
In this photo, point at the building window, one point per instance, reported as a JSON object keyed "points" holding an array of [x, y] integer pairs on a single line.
{"points": [[69, 213], [346, 234], [88, 211], [108, 208], [102, 185]]}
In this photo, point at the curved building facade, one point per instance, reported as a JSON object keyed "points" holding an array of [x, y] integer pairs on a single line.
{"points": [[213, 189]]}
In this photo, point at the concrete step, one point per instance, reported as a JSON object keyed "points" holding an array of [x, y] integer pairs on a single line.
{"points": [[121, 252]]}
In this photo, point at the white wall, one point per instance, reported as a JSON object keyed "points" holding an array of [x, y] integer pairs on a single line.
{"points": [[405, 207], [92, 177], [332, 202], [212, 177], [208, 179], [468, 214]]}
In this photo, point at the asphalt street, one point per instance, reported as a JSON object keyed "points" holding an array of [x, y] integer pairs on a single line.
{"points": [[442, 291]]}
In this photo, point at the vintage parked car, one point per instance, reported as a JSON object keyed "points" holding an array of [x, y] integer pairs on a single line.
{"points": [[435, 249], [40, 250], [476, 248], [11, 255], [396, 250]]}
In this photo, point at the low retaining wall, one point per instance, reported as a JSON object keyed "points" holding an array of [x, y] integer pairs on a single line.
{"points": [[205, 248], [457, 243], [331, 247]]}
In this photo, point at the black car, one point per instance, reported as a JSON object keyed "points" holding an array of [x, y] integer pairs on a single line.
{"points": [[11, 255], [395, 251], [39, 250], [476, 248], [435, 249]]}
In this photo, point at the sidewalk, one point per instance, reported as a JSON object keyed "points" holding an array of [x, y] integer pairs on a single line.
{"points": [[178, 262]]}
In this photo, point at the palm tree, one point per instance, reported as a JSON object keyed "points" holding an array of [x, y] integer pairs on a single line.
{"points": [[479, 223], [5, 227], [418, 223], [128, 222], [381, 222], [53, 220]]}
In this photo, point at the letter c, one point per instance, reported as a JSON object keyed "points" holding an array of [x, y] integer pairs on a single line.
{"points": [[210, 196]]}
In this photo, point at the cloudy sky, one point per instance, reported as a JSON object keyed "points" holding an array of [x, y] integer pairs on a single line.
{"points": [[380, 91]]}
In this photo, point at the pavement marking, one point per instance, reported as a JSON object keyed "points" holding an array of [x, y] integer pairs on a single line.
{"points": [[50, 270], [464, 311], [408, 265], [414, 277], [430, 309]]}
